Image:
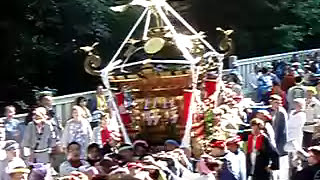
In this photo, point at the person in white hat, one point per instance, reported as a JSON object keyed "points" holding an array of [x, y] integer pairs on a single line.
{"points": [[297, 91], [312, 171], [297, 119], [10, 153], [17, 170]]}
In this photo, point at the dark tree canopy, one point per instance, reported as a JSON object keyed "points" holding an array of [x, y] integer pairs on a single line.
{"points": [[41, 38]]}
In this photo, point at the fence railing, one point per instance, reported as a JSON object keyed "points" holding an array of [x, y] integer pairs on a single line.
{"points": [[63, 104], [246, 66]]}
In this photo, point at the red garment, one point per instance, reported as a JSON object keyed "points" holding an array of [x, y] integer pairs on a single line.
{"points": [[105, 135], [287, 82], [282, 94], [259, 142], [218, 144]]}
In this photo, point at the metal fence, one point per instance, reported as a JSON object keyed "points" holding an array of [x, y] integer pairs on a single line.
{"points": [[63, 105], [246, 66]]}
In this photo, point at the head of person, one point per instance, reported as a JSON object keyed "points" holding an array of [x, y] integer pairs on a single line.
{"points": [[217, 113], [256, 68], [46, 101], [2, 130], [275, 101], [19, 175], [12, 149], [73, 152], [264, 70], [99, 90], [233, 143], [104, 120], [39, 115], [314, 155], [298, 79], [170, 145], [217, 148], [311, 91], [10, 111], [94, 153], [140, 148], [296, 65], [263, 115], [77, 112], [291, 71], [277, 86], [38, 171], [256, 125], [300, 104], [81, 101], [108, 164], [17, 170], [126, 152]]}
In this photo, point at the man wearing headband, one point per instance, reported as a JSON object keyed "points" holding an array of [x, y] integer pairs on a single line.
{"points": [[171, 145], [239, 165], [227, 171], [126, 153], [140, 148]]}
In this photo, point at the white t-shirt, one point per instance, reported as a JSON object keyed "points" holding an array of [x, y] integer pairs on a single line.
{"points": [[295, 124]]}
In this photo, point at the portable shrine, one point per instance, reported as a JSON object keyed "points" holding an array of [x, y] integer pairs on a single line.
{"points": [[162, 75]]}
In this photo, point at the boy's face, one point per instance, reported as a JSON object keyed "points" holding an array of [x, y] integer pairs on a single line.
{"points": [[94, 154], [10, 112], [73, 152]]}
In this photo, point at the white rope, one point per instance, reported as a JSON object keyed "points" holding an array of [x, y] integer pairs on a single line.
{"points": [[129, 35], [187, 25], [146, 26], [180, 45]]}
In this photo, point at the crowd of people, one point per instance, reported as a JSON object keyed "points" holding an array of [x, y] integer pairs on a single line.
{"points": [[277, 139]]}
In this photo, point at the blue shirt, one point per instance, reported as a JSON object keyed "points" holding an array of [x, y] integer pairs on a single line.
{"points": [[13, 130]]}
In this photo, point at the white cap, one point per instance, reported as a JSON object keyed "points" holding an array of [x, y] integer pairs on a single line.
{"points": [[296, 64], [301, 101], [17, 165]]}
